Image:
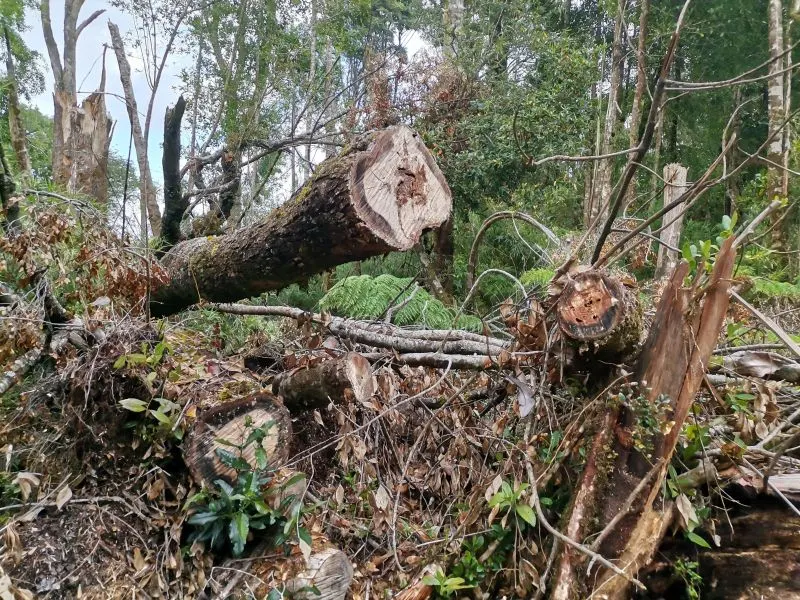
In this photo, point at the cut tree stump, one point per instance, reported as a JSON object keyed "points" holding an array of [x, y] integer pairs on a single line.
{"points": [[228, 422], [379, 195], [599, 311], [308, 388], [329, 571]]}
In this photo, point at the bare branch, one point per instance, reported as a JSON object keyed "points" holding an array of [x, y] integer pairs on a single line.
{"points": [[88, 21]]}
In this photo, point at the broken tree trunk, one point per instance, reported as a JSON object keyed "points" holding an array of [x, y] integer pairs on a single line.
{"points": [[229, 422], [675, 176], [379, 195], [598, 311], [175, 204], [313, 387], [670, 371]]}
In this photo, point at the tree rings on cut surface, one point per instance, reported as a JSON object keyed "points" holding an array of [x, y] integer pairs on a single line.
{"points": [[228, 422], [594, 307]]}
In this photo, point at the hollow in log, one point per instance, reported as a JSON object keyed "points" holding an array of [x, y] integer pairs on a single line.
{"points": [[379, 195], [308, 388], [597, 310], [229, 422]]}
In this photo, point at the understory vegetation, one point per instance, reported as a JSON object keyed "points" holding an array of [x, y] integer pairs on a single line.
{"points": [[584, 377]]}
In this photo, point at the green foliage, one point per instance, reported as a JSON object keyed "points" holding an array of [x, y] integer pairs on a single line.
{"points": [[230, 333], [228, 513], [445, 586], [537, 278], [367, 297], [508, 499], [689, 572]]}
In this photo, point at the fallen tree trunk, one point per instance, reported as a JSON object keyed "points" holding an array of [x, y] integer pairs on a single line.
{"points": [[379, 195], [597, 311], [308, 388]]}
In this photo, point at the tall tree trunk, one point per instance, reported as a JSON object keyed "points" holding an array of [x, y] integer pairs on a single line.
{"points": [[15, 126], [380, 195], [80, 134], [605, 167], [733, 183], [453, 19], [776, 100], [146, 187], [641, 85]]}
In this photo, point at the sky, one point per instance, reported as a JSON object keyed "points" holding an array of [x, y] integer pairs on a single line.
{"points": [[89, 65]]}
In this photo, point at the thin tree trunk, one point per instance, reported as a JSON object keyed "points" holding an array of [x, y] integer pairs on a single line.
{"points": [[605, 167], [312, 72], [15, 126], [641, 85], [733, 183], [675, 176], [776, 100], [146, 187]]}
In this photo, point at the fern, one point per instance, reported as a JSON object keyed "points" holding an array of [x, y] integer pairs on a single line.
{"points": [[366, 297], [537, 278]]}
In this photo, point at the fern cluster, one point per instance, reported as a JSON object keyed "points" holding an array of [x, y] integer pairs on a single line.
{"points": [[367, 297], [537, 278]]}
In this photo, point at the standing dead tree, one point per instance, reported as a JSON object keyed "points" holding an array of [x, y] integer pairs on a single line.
{"points": [[81, 134]]}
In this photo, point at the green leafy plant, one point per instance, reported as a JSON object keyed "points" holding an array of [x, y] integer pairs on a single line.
{"points": [[509, 499], [166, 416], [688, 571], [446, 586], [230, 512], [704, 252]]}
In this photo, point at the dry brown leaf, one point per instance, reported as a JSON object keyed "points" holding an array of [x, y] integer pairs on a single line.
{"points": [[63, 497], [26, 482]]}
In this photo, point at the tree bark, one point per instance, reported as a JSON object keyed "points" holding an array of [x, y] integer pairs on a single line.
{"points": [[598, 311], [146, 187], [605, 167], [80, 134], [228, 422], [675, 176], [670, 369], [175, 204], [641, 85], [379, 195], [16, 128], [313, 387]]}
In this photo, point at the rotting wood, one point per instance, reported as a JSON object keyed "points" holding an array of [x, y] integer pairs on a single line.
{"points": [[670, 370], [228, 422], [307, 388], [597, 310], [379, 195]]}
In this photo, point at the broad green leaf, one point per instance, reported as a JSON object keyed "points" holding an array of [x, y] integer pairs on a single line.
{"points": [[133, 404], [526, 514], [696, 539]]}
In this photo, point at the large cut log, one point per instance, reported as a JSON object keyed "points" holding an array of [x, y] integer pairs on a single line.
{"points": [[232, 422], [307, 388], [379, 195], [597, 311]]}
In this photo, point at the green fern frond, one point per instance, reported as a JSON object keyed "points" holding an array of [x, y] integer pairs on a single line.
{"points": [[366, 297], [537, 278]]}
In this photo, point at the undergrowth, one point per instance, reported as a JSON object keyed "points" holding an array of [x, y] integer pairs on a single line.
{"points": [[367, 297]]}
